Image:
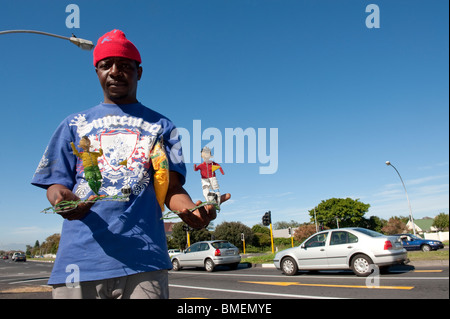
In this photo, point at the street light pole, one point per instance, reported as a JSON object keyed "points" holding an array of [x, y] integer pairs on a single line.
{"points": [[409, 204], [81, 43]]}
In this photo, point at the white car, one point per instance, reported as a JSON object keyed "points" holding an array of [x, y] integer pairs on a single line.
{"points": [[208, 254], [173, 252], [357, 249]]}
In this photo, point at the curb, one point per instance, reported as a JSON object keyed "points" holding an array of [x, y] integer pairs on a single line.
{"points": [[250, 265], [41, 261], [424, 263]]}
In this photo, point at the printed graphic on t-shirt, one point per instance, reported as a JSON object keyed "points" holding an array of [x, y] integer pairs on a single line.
{"points": [[131, 144]]}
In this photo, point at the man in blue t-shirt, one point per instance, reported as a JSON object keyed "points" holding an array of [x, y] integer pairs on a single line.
{"points": [[111, 249]]}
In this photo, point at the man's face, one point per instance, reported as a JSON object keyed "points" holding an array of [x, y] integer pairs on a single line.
{"points": [[118, 78]]}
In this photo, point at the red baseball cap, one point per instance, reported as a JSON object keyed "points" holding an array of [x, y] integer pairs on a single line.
{"points": [[114, 43]]}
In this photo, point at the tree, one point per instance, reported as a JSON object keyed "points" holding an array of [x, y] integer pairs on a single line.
{"points": [[51, 244], [261, 236], [179, 236], [259, 228], [231, 231], [395, 225], [35, 249], [28, 250], [345, 212], [375, 223], [441, 221], [304, 231]]}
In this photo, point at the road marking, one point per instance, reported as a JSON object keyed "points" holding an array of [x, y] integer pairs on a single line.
{"points": [[305, 276], [285, 284], [254, 292], [428, 270], [28, 280]]}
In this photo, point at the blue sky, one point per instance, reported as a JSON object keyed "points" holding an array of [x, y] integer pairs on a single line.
{"points": [[343, 98]]}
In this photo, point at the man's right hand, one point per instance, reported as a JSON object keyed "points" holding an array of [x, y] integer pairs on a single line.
{"points": [[57, 193]]}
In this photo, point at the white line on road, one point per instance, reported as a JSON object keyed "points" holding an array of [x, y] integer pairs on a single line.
{"points": [[304, 277], [28, 280], [271, 294]]}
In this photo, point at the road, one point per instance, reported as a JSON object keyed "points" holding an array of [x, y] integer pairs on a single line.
{"points": [[24, 280], [406, 282], [263, 283]]}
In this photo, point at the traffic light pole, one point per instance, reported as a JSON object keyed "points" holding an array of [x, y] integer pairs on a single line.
{"points": [[188, 239], [271, 237], [267, 221], [292, 237]]}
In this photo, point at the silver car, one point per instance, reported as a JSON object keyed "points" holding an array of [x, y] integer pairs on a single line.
{"points": [[208, 254], [358, 249]]}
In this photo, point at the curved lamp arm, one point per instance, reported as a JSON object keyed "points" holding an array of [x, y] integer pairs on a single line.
{"points": [[81, 43]]}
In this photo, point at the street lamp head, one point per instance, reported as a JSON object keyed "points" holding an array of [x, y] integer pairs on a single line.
{"points": [[82, 43], [388, 163]]}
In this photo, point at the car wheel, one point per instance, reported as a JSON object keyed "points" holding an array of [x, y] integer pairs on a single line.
{"points": [[209, 265], [289, 266], [426, 248], [362, 265], [176, 265]]}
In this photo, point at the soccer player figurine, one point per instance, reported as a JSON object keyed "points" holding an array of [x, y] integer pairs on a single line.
{"points": [[209, 181], [90, 163]]}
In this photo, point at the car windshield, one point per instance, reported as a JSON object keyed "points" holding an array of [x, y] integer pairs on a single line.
{"points": [[222, 244], [368, 232], [414, 237]]}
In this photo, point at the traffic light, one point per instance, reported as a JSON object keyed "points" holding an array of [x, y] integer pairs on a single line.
{"points": [[267, 219]]}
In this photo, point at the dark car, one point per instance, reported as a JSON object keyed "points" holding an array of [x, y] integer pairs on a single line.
{"points": [[413, 242], [19, 257]]}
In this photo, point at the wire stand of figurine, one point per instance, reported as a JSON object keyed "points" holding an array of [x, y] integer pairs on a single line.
{"points": [[66, 206], [174, 214]]}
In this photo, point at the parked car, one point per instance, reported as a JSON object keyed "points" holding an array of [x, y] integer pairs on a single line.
{"points": [[413, 242], [14, 255], [173, 252], [19, 257], [208, 254], [358, 249]]}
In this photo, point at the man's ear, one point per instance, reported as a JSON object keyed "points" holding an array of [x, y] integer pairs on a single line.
{"points": [[139, 71]]}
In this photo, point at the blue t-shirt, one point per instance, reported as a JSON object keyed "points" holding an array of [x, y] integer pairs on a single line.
{"points": [[115, 238]]}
